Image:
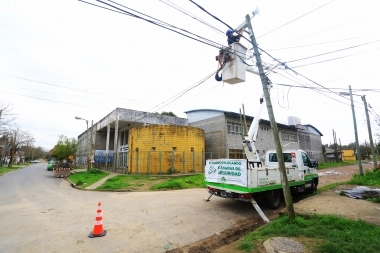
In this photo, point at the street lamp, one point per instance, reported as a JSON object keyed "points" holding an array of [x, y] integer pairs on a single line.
{"points": [[88, 144], [355, 128]]}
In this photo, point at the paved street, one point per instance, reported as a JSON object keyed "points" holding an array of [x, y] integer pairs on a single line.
{"points": [[40, 213]]}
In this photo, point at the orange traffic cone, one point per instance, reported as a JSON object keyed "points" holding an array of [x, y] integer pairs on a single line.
{"points": [[98, 230]]}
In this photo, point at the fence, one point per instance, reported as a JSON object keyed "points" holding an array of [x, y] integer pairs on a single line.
{"points": [[152, 162]]}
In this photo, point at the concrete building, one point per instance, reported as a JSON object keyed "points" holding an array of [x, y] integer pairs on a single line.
{"points": [[224, 134], [132, 141]]}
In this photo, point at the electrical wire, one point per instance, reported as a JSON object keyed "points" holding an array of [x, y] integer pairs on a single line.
{"points": [[203, 9], [54, 101], [333, 51], [163, 24], [178, 8], [314, 44], [297, 73], [177, 96], [310, 35], [64, 87], [281, 63], [312, 88], [295, 19], [333, 59]]}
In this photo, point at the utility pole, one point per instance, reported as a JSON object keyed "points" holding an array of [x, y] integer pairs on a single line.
{"points": [[280, 156], [91, 143], [335, 147], [356, 134], [370, 133]]}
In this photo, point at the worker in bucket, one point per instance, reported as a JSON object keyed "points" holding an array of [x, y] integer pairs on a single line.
{"points": [[231, 38]]}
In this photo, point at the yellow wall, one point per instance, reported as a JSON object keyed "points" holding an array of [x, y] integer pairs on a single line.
{"points": [[158, 148], [349, 155]]}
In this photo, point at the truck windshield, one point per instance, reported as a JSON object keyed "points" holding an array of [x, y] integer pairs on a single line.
{"points": [[287, 157]]}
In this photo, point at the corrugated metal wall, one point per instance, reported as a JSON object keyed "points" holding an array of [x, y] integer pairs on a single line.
{"points": [[166, 149]]}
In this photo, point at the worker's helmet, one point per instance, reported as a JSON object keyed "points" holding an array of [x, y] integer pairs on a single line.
{"points": [[229, 32]]}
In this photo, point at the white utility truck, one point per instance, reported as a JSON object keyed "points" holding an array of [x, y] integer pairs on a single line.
{"points": [[246, 179], [250, 178]]}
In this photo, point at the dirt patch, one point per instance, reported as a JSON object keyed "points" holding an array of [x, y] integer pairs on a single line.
{"points": [[226, 239], [339, 174], [328, 202]]}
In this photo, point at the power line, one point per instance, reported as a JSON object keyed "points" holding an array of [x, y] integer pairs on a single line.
{"points": [[164, 24], [64, 87], [53, 101], [177, 96], [161, 24], [310, 34], [333, 51], [295, 19], [295, 72], [215, 17], [47, 92], [281, 63], [315, 44], [333, 59], [318, 90], [178, 8]]}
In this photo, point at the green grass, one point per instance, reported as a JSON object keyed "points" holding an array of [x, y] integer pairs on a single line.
{"points": [[87, 178], [152, 182], [319, 233], [5, 169], [196, 181], [369, 178], [335, 164]]}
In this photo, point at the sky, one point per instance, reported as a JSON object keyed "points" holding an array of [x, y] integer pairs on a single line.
{"points": [[62, 59]]}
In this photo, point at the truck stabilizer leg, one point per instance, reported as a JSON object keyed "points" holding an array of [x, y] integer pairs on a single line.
{"points": [[258, 209], [208, 199]]}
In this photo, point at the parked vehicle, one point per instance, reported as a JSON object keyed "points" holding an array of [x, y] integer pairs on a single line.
{"points": [[34, 161], [251, 178], [51, 164]]}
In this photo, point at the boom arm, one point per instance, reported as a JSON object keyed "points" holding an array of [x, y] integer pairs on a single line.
{"points": [[250, 138]]}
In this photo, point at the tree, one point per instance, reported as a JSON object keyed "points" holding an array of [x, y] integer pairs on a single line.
{"points": [[168, 114], [5, 117], [17, 139], [64, 148]]}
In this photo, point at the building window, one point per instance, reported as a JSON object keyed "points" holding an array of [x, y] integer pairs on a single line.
{"points": [[233, 128], [286, 136], [236, 154]]}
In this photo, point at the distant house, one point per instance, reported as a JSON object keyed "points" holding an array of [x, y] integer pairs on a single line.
{"points": [[349, 155], [330, 155]]}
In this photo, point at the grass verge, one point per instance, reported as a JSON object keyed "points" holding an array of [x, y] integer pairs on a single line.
{"points": [[148, 183], [196, 181], [5, 169], [319, 234], [370, 178], [335, 164], [87, 178]]}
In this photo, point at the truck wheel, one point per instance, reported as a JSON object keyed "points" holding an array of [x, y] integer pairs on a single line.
{"points": [[274, 199], [313, 188]]}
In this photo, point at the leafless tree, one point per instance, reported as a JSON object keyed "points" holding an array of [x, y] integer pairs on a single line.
{"points": [[17, 138], [6, 117]]}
